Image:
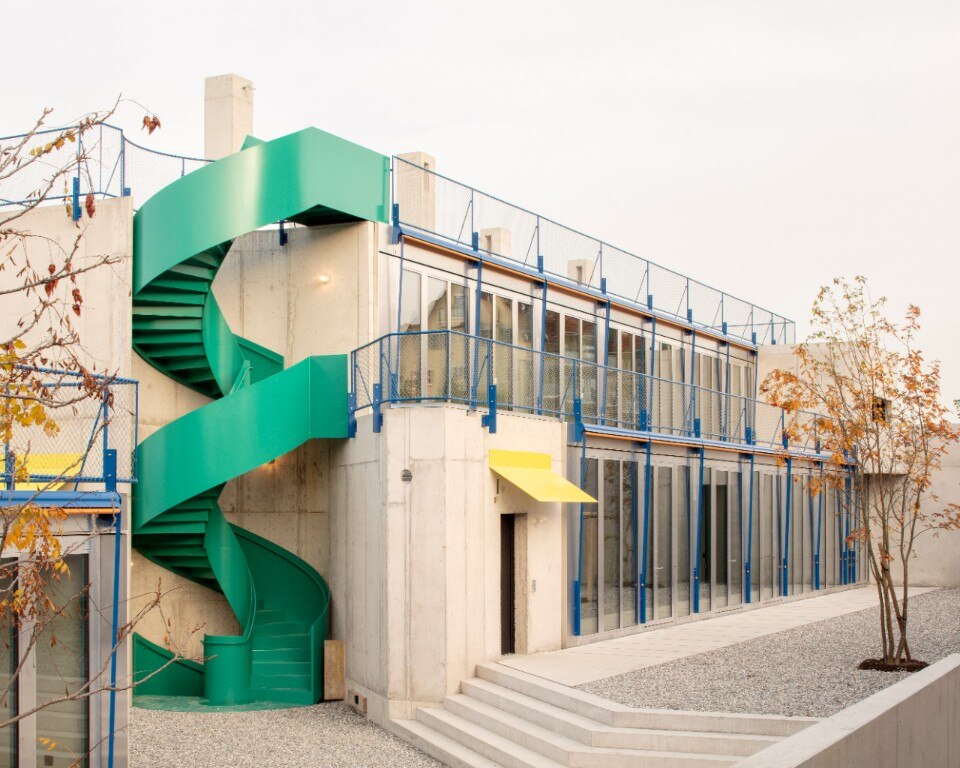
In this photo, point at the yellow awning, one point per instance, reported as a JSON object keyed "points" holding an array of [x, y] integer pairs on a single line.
{"points": [[531, 473]]}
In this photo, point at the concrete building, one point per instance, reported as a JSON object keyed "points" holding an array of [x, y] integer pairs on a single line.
{"points": [[380, 406]]}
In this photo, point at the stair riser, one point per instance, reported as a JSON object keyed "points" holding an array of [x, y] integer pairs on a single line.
{"points": [[478, 745], [712, 744], [574, 759], [426, 740]]}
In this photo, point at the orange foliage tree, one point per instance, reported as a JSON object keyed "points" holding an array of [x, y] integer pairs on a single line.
{"points": [[45, 379], [881, 412]]}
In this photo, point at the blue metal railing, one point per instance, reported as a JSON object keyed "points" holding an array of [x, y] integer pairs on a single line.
{"points": [[102, 162], [453, 213], [95, 436], [453, 367]]}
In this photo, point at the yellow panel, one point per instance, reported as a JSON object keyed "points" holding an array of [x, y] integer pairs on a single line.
{"points": [[532, 474], [63, 465]]}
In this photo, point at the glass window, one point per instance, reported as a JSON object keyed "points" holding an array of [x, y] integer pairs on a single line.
{"points": [[409, 347], [589, 342], [503, 352], [8, 666], [756, 534], [735, 521], [631, 524], [683, 514], [64, 664], [664, 539], [436, 304], [551, 365], [526, 376], [704, 544], [552, 332], [588, 552], [571, 337], [769, 528], [458, 308], [611, 545], [613, 349], [486, 316], [721, 530], [410, 301]]}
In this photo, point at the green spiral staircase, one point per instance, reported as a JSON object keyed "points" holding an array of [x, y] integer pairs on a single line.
{"points": [[259, 412]]}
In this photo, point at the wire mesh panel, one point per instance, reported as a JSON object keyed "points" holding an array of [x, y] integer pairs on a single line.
{"points": [[466, 217], [449, 366], [148, 171], [68, 445]]}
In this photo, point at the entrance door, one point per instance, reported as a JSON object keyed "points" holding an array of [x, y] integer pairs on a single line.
{"points": [[508, 606]]}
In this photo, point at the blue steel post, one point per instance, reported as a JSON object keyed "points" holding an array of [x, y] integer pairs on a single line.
{"points": [[76, 198], [490, 420], [475, 379], [647, 485], [579, 581], [110, 469], [606, 353], [748, 560], [652, 372], [693, 377], [784, 573], [696, 554], [543, 331], [816, 554]]}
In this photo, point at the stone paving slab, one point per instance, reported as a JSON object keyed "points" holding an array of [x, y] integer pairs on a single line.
{"points": [[606, 658]]}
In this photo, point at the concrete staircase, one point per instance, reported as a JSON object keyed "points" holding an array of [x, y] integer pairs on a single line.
{"points": [[504, 718]]}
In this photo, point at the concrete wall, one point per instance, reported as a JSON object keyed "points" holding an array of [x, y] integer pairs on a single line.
{"points": [[273, 296], [418, 562], [104, 322], [913, 723]]}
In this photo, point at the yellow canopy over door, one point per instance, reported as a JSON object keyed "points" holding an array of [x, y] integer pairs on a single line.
{"points": [[531, 473]]}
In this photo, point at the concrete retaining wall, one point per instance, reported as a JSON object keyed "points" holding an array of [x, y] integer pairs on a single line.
{"points": [[915, 722]]}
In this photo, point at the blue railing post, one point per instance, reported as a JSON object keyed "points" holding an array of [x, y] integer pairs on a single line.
{"points": [[375, 401], [785, 561], [352, 414], [110, 469], [114, 624], [490, 420], [76, 197]]}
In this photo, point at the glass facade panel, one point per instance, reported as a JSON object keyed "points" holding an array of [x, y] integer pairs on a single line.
{"points": [[702, 539], [735, 522], [64, 665], [503, 355], [756, 533], [684, 513], [769, 530], [526, 376], [721, 529], [551, 365], [631, 530], [409, 347], [611, 544], [589, 549], [459, 346], [664, 540], [8, 665], [437, 346]]}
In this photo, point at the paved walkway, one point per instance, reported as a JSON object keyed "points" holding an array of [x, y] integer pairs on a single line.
{"points": [[586, 663]]}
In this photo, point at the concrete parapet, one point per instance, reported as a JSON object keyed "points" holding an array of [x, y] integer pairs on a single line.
{"points": [[912, 723]]}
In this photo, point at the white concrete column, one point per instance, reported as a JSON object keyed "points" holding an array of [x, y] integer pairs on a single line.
{"points": [[227, 114], [497, 240]]}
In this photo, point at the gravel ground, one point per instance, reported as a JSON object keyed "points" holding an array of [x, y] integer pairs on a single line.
{"points": [[322, 736], [808, 671]]}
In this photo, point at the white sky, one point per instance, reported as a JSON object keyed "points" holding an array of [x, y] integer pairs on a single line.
{"points": [[762, 147]]}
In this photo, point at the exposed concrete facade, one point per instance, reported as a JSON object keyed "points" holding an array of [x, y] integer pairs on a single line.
{"points": [[415, 565]]}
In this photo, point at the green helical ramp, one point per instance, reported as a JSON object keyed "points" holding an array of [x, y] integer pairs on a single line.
{"points": [[260, 411]]}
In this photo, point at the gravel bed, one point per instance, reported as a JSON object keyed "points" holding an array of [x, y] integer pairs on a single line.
{"points": [[323, 736], [808, 671]]}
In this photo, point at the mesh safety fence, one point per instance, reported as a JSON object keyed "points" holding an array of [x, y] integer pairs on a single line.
{"points": [[70, 445], [448, 366], [102, 160], [456, 213]]}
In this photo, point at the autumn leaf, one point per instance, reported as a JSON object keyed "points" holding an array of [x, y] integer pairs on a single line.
{"points": [[90, 206], [151, 123]]}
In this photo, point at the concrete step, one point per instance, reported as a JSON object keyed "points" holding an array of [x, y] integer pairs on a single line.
{"points": [[500, 750], [618, 715], [569, 752], [594, 734], [440, 747]]}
